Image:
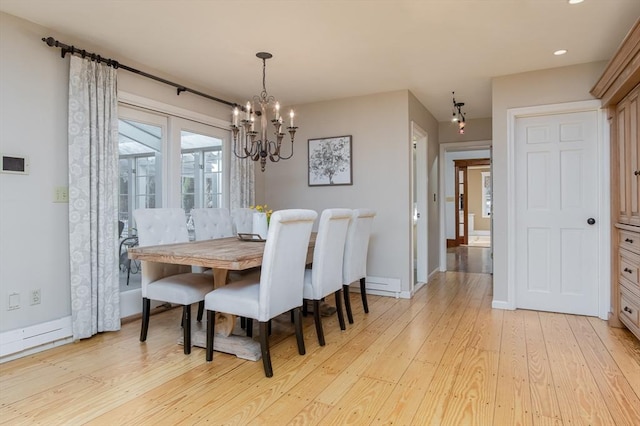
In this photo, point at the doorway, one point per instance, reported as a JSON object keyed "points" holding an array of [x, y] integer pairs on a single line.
{"points": [[470, 259], [419, 219], [473, 202]]}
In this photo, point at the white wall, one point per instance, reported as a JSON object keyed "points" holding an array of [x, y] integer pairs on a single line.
{"points": [[34, 236], [553, 86], [421, 116], [380, 127], [33, 121]]}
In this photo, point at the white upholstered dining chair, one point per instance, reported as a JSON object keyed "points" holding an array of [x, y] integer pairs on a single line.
{"points": [[325, 276], [242, 219], [167, 282], [279, 288], [355, 256], [212, 223]]}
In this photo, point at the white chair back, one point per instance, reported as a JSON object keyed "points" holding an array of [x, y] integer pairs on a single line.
{"points": [[357, 245], [161, 226], [283, 262], [212, 223], [242, 220], [326, 273]]}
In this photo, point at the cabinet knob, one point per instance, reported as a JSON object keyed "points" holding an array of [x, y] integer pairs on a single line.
{"points": [[637, 173], [627, 270], [628, 309], [628, 240]]}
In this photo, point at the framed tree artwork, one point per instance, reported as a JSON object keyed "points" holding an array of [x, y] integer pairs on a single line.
{"points": [[330, 161]]}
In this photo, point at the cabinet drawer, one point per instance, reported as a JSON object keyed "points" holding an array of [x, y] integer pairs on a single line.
{"points": [[629, 266], [629, 240], [629, 307]]}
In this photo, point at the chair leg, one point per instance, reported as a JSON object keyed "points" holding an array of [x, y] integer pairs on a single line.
{"points": [[186, 327], [249, 327], [338, 295], [128, 271], [243, 323], [200, 310], [305, 308], [264, 347], [146, 307], [363, 294], [347, 303], [297, 317], [211, 328], [318, 321]]}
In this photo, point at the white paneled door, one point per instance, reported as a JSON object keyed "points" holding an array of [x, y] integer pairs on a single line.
{"points": [[557, 238]]}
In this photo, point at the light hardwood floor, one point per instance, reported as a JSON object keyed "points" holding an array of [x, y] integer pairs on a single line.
{"points": [[444, 357]]}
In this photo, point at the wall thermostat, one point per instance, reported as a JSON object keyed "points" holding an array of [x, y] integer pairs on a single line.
{"points": [[15, 164]]}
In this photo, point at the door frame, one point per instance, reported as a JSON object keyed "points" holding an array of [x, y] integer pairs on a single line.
{"points": [[462, 166], [604, 196], [419, 241], [444, 148]]}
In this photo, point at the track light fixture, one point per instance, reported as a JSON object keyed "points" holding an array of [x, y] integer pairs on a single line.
{"points": [[458, 115]]}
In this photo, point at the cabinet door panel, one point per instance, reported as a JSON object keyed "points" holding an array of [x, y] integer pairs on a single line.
{"points": [[634, 160], [628, 158]]}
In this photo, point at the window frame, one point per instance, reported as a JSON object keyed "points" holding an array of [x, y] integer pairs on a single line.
{"points": [[178, 119]]}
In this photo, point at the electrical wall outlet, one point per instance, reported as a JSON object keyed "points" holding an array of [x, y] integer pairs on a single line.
{"points": [[61, 194], [35, 296], [14, 301]]}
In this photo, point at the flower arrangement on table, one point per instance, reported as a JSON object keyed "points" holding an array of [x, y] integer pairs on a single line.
{"points": [[263, 208]]}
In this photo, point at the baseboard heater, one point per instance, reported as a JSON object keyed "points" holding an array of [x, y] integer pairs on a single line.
{"points": [[48, 334], [391, 285]]}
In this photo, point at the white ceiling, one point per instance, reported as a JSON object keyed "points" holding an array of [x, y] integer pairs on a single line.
{"points": [[327, 49]]}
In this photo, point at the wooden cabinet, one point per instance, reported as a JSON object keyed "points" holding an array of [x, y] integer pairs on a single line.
{"points": [[628, 118], [619, 89], [628, 276]]}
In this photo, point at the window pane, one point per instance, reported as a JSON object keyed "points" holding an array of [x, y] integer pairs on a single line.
{"points": [[139, 146], [201, 171]]}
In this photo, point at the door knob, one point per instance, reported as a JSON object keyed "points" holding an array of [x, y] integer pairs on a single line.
{"points": [[591, 221]]}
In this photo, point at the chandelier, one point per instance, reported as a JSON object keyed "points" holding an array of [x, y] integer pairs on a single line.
{"points": [[458, 115], [248, 142]]}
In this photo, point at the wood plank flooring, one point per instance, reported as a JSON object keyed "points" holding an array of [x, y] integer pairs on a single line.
{"points": [[442, 358]]}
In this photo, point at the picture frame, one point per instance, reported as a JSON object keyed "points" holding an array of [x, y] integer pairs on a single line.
{"points": [[330, 161]]}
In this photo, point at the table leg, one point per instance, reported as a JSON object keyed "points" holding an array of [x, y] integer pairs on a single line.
{"points": [[224, 322]]}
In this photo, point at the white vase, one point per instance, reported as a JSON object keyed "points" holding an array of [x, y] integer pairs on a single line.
{"points": [[260, 226]]}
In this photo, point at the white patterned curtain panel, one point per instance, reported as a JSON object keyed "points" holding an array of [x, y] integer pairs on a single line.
{"points": [[242, 177], [93, 198]]}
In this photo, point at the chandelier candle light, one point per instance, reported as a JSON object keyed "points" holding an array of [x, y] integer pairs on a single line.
{"points": [[246, 143]]}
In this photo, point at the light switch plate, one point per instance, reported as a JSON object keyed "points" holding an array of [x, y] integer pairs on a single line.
{"points": [[61, 194]]}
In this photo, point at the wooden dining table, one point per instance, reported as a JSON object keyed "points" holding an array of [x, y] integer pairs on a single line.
{"points": [[221, 255]]}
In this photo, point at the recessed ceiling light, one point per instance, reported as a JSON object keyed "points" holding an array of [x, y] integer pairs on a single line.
{"points": [[575, 1], [560, 52]]}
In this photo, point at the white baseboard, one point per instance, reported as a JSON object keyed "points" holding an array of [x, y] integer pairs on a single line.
{"points": [[501, 304], [435, 271], [36, 338]]}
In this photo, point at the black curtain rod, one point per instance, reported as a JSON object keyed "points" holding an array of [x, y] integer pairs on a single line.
{"points": [[64, 49]]}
